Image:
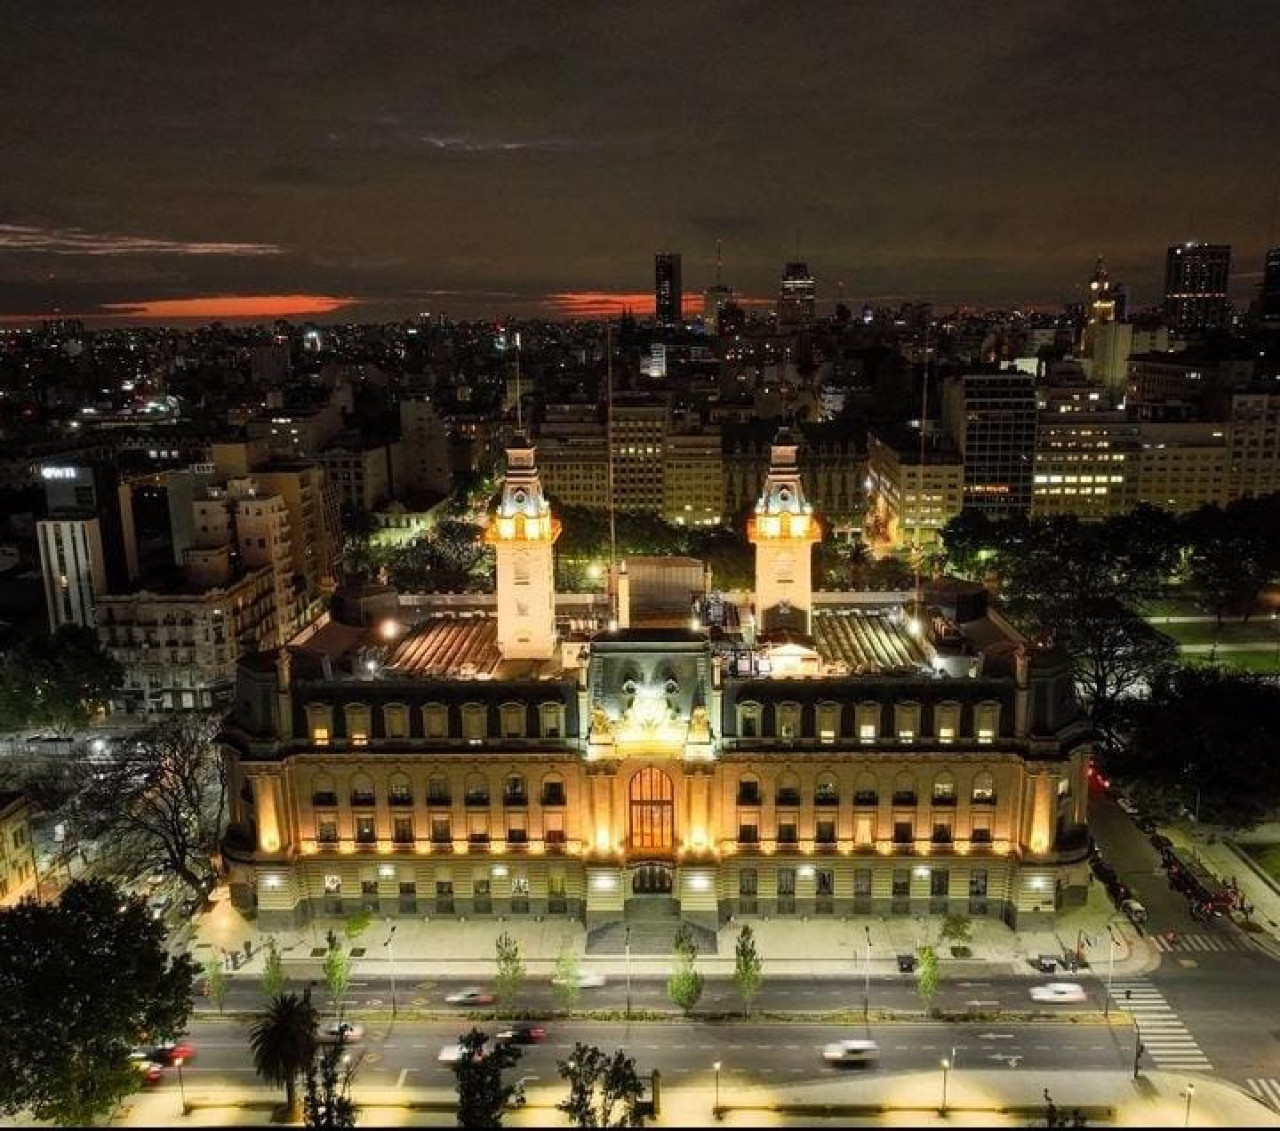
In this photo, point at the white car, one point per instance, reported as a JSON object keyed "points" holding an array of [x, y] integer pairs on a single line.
{"points": [[851, 1052], [472, 995], [451, 1054], [1127, 805], [583, 979], [1058, 992], [337, 1031]]}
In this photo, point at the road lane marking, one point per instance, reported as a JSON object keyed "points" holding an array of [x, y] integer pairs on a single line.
{"points": [[400, 1080]]}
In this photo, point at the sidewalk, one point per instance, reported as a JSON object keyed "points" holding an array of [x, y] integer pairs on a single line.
{"points": [[975, 1098], [817, 947]]}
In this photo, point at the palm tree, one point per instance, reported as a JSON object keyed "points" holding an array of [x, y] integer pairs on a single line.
{"points": [[283, 1043]]}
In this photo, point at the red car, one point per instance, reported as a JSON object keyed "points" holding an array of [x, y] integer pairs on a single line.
{"points": [[169, 1053]]}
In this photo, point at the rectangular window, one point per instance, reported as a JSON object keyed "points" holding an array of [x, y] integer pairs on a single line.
{"points": [[787, 832], [402, 830], [478, 828], [557, 900], [440, 832], [408, 887], [786, 891], [942, 832], [483, 897], [444, 897], [400, 793], [866, 732], [978, 883], [825, 832], [862, 881], [939, 883], [981, 831], [365, 833], [901, 883], [748, 832], [517, 831], [553, 793], [902, 832], [327, 831]]}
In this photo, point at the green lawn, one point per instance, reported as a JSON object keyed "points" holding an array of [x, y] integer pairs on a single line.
{"points": [[1264, 854], [1263, 661], [1259, 631]]}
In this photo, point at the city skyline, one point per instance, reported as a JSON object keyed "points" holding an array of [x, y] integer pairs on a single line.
{"points": [[375, 164]]}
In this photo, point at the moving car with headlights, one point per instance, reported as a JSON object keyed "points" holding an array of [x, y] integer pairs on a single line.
{"points": [[471, 995], [344, 1031], [583, 979], [853, 1051], [1058, 992]]}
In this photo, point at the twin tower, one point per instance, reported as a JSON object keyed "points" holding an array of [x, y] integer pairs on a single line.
{"points": [[523, 533]]}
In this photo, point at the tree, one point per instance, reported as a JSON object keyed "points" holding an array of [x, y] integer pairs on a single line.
{"points": [[326, 1102], [684, 987], [60, 681], [956, 929], [357, 924], [604, 1090], [283, 1043], [482, 1095], [748, 967], [216, 981], [1207, 735], [82, 982], [565, 979], [927, 976], [160, 802], [511, 970], [337, 972], [273, 976]]}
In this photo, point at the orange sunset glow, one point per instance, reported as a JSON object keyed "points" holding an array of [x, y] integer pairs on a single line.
{"points": [[609, 304], [229, 306]]}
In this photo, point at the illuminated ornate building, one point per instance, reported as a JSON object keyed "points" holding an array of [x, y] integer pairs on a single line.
{"points": [[797, 754]]}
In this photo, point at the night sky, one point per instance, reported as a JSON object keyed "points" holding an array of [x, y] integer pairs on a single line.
{"points": [[371, 160]]}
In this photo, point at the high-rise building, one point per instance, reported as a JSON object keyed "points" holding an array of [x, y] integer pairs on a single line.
{"points": [[1269, 296], [88, 545], [991, 418], [668, 291], [1195, 286], [797, 296]]}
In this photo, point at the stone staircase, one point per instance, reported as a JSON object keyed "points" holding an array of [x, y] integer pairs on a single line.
{"points": [[650, 937]]}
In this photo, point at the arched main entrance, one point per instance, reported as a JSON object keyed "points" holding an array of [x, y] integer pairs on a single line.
{"points": [[652, 812], [652, 879]]}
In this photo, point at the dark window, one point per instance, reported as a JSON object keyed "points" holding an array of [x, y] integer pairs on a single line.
{"points": [[787, 832], [748, 793], [942, 832], [788, 795], [327, 832], [400, 793], [444, 896], [981, 836], [902, 832], [479, 795], [438, 793], [402, 830], [440, 833], [866, 797], [325, 798], [483, 897], [364, 830], [904, 796], [862, 881], [826, 793], [362, 796], [515, 793], [517, 836], [901, 883], [978, 883], [786, 891], [408, 887], [748, 833], [825, 832], [368, 887], [553, 793], [939, 882]]}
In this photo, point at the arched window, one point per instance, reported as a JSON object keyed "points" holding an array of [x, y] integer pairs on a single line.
{"points": [[357, 720], [553, 791], [395, 720], [944, 789], [904, 789], [322, 790], [986, 721], [828, 722], [868, 722], [984, 789], [320, 723], [552, 719], [749, 790], [788, 790], [513, 719], [749, 720], [362, 790], [826, 791], [399, 790], [435, 720], [438, 790], [906, 721], [473, 722], [788, 721], [477, 790], [865, 792], [652, 804], [947, 721]]}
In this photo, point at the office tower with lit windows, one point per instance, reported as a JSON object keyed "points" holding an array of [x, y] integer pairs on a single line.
{"points": [[991, 418], [1195, 286], [1269, 296], [668, 292], [797, 296]]}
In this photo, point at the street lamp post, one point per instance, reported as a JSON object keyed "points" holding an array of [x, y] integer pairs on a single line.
{"points": [[866, 988], [391, 963], [627, 938], [1111, 970], [716, 1110], [1186, 1119], [182, 1090], [946, 1068]]}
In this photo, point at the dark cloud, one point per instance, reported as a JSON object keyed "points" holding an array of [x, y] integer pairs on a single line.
{"points": [[950, 151]]}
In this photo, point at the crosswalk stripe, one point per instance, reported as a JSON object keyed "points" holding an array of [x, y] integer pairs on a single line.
{"points": [[1166, 1038], [1267, 1090]]}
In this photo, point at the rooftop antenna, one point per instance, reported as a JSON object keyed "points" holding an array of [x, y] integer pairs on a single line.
{"points": [[719, 264], [924, 410], [613, 525], [519, 417]]}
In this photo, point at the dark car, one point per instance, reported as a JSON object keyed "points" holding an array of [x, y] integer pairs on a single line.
{"points": [[169, 1053], [1160, 843], [521, 1033], [906, 963], [1146, 824], [1045, 963]]}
